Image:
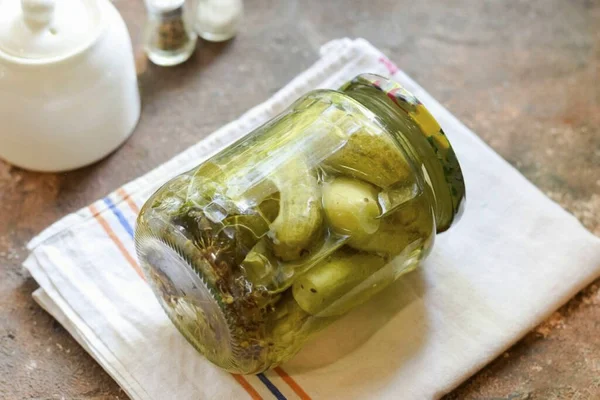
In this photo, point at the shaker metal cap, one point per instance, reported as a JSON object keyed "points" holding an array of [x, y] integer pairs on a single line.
{"points": [[41, 30]]}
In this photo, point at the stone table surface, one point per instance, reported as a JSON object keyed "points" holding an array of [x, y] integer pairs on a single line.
{"points": [[524, 75]]}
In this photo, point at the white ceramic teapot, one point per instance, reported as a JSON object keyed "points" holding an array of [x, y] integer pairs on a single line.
{"points": [[68, 86]]}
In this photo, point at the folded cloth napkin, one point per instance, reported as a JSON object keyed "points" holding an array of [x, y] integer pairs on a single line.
{"points": [[513, 258]]}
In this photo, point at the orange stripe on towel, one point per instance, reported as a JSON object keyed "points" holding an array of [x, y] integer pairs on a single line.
{"points": [[292, 384], [246, 385], [127, 197], [113, 236]]}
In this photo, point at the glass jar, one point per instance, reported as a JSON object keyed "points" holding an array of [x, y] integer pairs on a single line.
{"points": [[311, 214], [218, 20], [169, 37]]}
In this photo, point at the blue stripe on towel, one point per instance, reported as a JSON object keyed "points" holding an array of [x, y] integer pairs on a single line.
{"points": [[122, 220], [278, 395]]}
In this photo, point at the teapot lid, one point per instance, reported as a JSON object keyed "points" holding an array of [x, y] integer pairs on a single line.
{"points": [[36, 30]]}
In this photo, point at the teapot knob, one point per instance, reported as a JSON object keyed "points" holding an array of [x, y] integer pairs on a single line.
{"points": [[37, 13]]}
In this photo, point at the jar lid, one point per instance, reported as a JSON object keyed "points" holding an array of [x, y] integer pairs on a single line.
{"points": [[428, 127], [47, 29]]}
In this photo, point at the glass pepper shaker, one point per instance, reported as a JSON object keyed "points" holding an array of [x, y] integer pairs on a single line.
{"points": [[169, 36]]}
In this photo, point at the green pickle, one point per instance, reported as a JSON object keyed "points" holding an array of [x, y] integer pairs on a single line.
{"points": [[300, 214], [281, 233], [370, 154], [332, 280], [351, 207]]}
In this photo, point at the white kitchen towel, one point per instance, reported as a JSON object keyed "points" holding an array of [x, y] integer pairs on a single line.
{"points": [[513, 258]]}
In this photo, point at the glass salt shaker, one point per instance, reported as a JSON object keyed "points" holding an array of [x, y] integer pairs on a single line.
{"points": [[169, 36], [218, 20]]}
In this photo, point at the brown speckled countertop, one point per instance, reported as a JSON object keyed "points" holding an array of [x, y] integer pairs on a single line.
{"points": [[524, 75]]}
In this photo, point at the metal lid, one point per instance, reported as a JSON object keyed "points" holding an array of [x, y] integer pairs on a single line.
{"points": [[36, 30], [431, 130]]}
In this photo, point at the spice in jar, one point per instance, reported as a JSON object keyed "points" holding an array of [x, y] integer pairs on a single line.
{"points": [[169, 37]]}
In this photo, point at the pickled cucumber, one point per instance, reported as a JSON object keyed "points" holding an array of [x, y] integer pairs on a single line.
{"points": [[300, 215], [264, 270], [288, 319], [371, 155], [330, 280], [204, 184], [397, 230], [397, 196], [321, 249], [245, 230], [291, 325], [259, 265], [351, 207]]}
